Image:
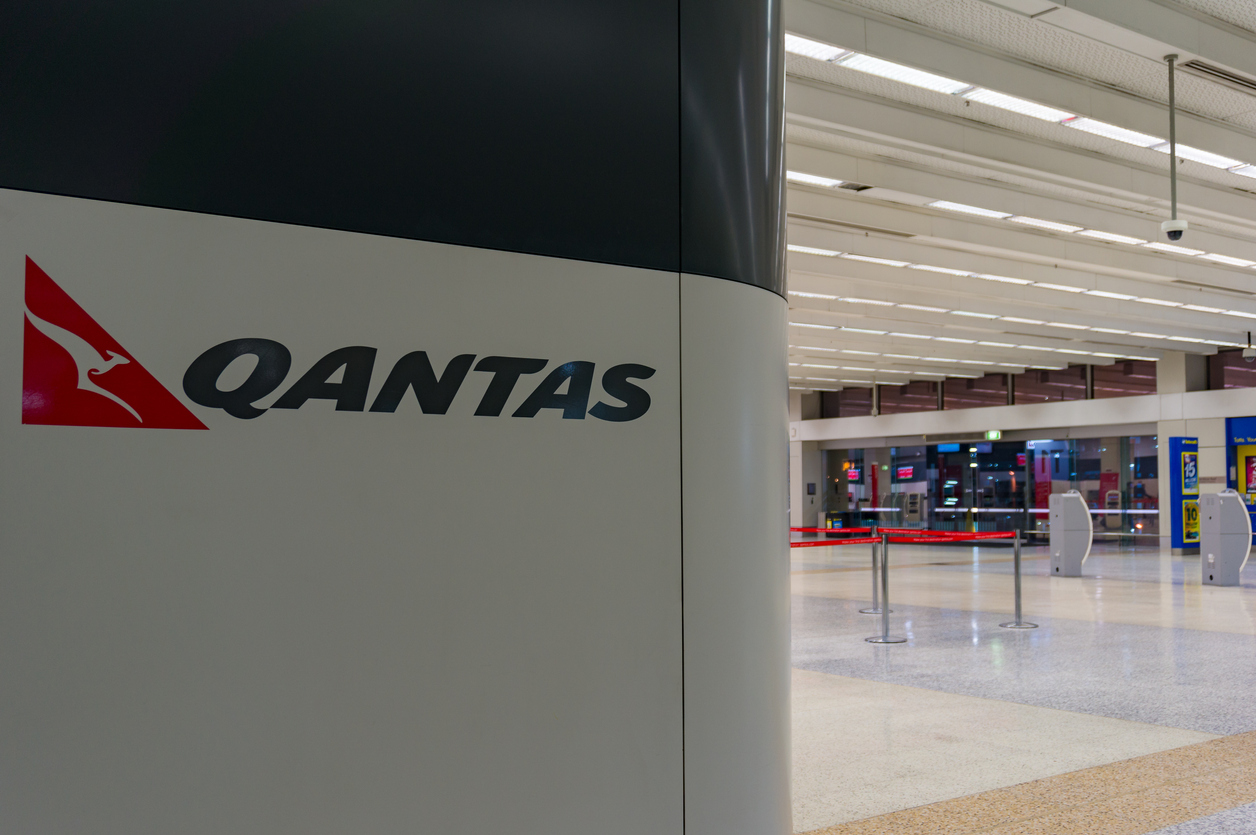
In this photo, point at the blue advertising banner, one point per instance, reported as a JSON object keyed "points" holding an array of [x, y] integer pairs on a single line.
{"points": [[1184, 492], [1241, 430]]}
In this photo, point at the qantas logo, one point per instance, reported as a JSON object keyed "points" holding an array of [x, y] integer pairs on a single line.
{"points": [[76, 374]]}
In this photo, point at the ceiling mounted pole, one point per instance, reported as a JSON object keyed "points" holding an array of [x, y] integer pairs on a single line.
{"points": [[1172, 59]]}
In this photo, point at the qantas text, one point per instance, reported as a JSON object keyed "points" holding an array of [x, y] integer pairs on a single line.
{"points": [[412, 373]]}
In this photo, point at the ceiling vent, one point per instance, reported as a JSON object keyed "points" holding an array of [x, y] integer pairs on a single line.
{"points": [[1221, 75]]}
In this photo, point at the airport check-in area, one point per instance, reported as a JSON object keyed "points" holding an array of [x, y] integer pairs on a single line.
{"points": [[754, 417]]}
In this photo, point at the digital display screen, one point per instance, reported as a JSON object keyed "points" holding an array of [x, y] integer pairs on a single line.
{"points": [[948, 447], [905, 473], [854, 474], [1021, 459]]}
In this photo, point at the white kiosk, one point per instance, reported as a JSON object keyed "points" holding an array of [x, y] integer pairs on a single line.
{"points": [[1071, 533], [1225, 537]]}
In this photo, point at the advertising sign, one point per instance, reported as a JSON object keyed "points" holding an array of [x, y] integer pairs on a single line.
{"points": [[1190, 521], [1184, 493], [274, 467], [905, 473], [1190, 473]]}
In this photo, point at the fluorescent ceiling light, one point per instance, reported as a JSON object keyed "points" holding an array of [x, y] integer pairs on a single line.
{"points": [[801, 294], [811, 250], [812, 49], [1244, 170], [997, 344], [1110, 330], [1145, 359], [972, 362], [968, 210], [1202, 309], [812, 348], [1225, 344], [853, 368], [903, 356], [1111, 236], [1176, 250], [910, 335], [902, 74], [1226, 259], [821, 379], [863, 382], [861, 353], [1196, 155], [1033, 347], [1145, 335], [1046, 367], [923, 307], [1106, 295], [1160, 302], [1009, 365], [1018, 105], [1002, 278], [809, 325], [1071, 351], [955, 339], [1130, 137], [812, 179], [928, 373], [870, 260], [974, 315], [1022, 321], [863, 330], [1186, 339], [1064, 288], [1067, 325], [893, 371], [1112, 356], [944, 270], [1045, 224], [815, 365], [878, 302], [1240, 313]]}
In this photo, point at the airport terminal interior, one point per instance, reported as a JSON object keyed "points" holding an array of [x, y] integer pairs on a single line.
{"points": [[406, 390], [989, 325]]}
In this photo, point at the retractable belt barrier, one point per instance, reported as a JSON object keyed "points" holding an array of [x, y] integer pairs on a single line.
{"points": [[882, 538]]}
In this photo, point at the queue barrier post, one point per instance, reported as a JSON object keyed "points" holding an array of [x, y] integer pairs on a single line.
{"points": [[875, 608], [885, 637], [1019, 623]]}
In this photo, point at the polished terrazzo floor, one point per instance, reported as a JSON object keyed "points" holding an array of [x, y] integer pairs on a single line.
{"points": [[1133, 662]]}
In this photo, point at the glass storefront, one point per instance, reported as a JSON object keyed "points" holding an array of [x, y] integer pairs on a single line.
{"points": [[995, 485]]}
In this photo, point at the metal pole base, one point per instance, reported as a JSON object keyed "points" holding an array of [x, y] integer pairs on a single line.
{"points": [[874, 611], [887, 639], [1011, 624]]}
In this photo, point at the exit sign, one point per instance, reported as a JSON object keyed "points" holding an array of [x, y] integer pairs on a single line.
{"points": [[994, 434]]}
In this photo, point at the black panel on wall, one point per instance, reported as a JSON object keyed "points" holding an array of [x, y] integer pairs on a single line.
{"points": [[732, 65], [547, 126]]}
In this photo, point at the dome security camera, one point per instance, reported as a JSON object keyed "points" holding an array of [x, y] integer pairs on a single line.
{"points": [[1249, 354], [1174, 229]]}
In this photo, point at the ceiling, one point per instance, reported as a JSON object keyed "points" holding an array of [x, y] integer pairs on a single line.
{"points": [[977, 186]]}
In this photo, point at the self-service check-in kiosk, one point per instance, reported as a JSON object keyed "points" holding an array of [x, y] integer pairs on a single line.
{"points": [[1225, 537], [1071, 533]]}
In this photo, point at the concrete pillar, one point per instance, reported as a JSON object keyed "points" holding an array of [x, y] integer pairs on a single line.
{"points": [[1179, 372]]}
